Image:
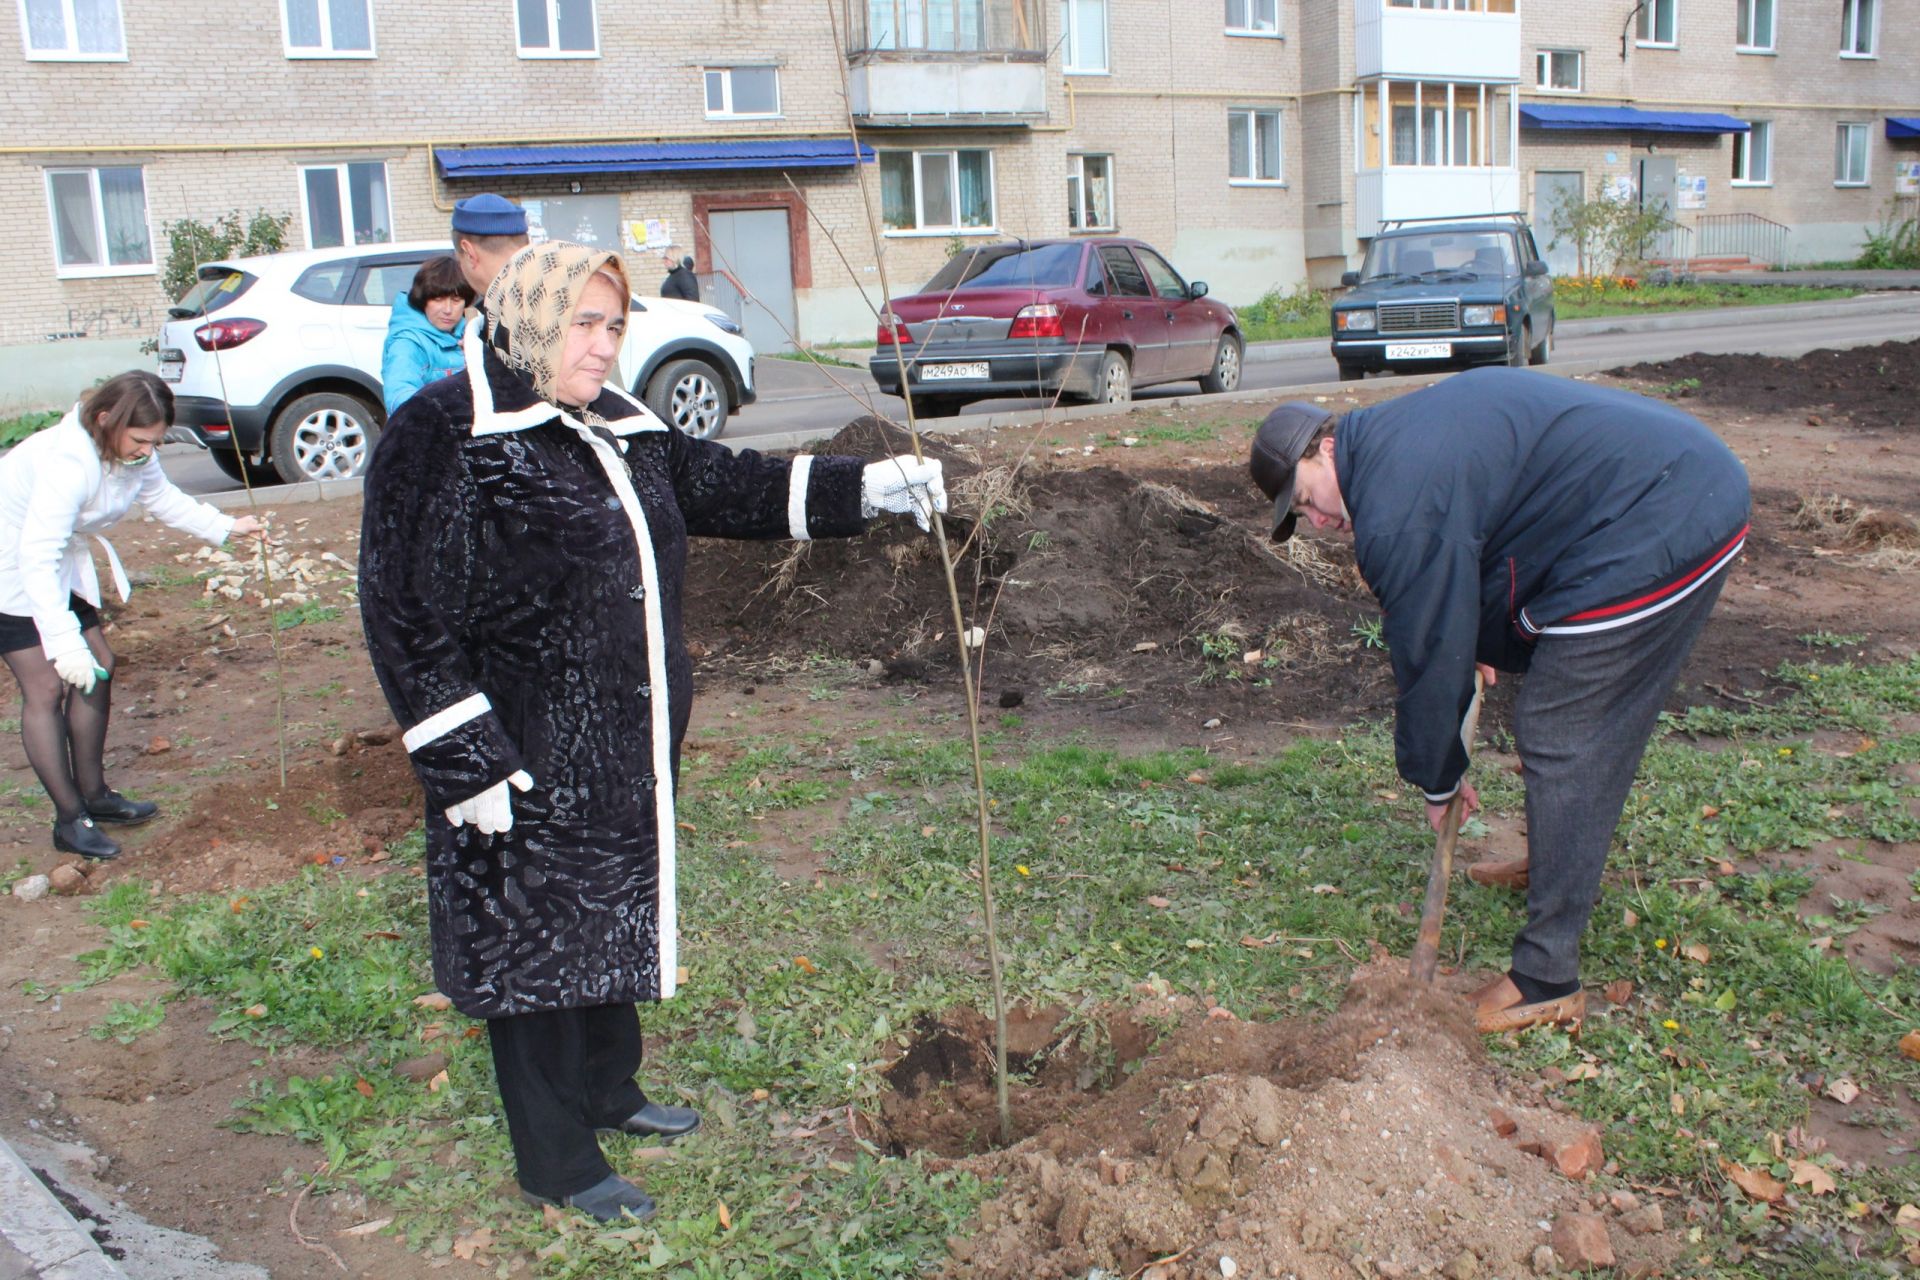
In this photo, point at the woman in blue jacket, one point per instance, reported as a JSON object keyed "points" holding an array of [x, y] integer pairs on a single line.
{"points": [[423, 338]]}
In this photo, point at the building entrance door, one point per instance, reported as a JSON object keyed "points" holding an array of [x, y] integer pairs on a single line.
{"points": [[1550, 190], [752, 251]]}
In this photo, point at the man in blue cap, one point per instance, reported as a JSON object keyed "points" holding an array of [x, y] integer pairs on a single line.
{"points": [[487, 230]]}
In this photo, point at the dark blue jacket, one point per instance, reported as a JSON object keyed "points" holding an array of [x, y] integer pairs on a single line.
{"points": [[1501, 505]]}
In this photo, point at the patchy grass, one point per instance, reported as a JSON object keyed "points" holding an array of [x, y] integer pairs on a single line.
{"points": [[1573, 302], [1738, 1017], [300, 615]]}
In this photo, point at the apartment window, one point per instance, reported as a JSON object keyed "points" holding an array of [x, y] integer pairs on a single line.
{"points": [[1557, 70], [1753, 155], [347, 204], [951, 24], [328, 28], [1753, 25], [1656, 23], [1253, 17], [100, 221], [73, 30], [1083, 26], [1090, 193], [1850, 156], [1253, 146], [1859, 27], [557, 28], [936, 190], [736, 92]]}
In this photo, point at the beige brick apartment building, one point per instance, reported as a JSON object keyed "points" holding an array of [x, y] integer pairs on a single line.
{"points": [[1257, 142]]}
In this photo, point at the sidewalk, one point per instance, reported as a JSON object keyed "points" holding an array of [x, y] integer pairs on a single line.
{"points": [[39, 1240], [1839, 277]]}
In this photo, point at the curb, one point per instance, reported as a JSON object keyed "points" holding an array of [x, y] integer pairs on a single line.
{"points": [[35, 1226]]}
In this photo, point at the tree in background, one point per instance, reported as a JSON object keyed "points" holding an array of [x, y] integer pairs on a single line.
{"points": [[191, 242], [1609, 233]]}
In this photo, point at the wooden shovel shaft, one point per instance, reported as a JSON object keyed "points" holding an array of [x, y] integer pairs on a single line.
{"points": [[1426, 944]]}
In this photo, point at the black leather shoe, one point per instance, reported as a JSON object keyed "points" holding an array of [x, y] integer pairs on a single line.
{"points": [[117, 809], [82, 837], [665, 1123], [605, 1201]]}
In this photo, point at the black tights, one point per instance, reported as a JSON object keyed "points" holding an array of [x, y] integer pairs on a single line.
{"points": [[64, 730]]}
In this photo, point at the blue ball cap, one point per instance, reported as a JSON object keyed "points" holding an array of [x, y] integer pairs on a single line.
{"points": [[489, 215]]}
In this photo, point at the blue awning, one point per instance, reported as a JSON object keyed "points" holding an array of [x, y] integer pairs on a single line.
{"points": [[1903, 126], [649, 157], [1542, 116]]}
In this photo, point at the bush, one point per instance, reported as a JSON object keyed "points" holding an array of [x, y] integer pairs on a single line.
{"points": [[1611, 234], [191, 243], [1894, 245]]}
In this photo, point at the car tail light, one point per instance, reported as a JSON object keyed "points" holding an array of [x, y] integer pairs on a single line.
{"points": [[891, 332], [223, 335], [1041, 320]]}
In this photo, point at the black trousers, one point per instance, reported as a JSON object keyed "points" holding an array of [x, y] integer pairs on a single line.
{"points": [[564, 1073]]}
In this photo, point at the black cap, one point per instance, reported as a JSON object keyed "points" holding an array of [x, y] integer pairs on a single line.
{"points": [[1277, 449]]}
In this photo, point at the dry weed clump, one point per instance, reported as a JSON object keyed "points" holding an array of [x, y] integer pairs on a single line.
{"points": [[1838, 521]]}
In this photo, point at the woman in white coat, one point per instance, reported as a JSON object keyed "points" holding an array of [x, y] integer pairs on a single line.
{"points": [[70, 482]]}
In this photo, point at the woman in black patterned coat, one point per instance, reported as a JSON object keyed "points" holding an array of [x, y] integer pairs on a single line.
{"points": [[522, 559]]}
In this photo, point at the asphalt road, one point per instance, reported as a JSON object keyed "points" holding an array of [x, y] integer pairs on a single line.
{"points": [[796, 396]]}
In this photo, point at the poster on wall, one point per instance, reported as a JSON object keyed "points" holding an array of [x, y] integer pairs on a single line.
{"points": [[648, 233], [590, 220], [1622, 188], [1906, 178], [1691, 190]]}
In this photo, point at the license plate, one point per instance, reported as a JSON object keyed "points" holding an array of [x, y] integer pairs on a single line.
{"points": [[172, 371], [1419, 350], [944, 372]]}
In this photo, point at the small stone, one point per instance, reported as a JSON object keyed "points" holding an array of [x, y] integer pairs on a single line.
{"points": [[31, 888], [339, 746], [68, 879], [1623, 1201], [1228, 1267], [1579, 1158], [1389, 1270], [1011, 698], [1503, 1124], [1463, 1267], [157, 746], [1644, 1221], [1211, 722], [1580, 1241], [375, 737], [1543, 1260]]}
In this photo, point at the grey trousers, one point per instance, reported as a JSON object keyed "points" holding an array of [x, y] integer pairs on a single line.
{"points": [[1586, 709]]}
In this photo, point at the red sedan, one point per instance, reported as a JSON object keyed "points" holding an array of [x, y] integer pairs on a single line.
{"points": [[1087, 319]]}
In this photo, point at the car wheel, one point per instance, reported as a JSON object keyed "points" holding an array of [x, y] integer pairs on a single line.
{"points": [[326, 436], [691, 395], [1544, 352], [238, 468], [1518, 352], [1114, 385], [1351, 372], [1226, 366]]}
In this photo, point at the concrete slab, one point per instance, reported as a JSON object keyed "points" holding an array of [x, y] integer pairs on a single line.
{"points": [[41, 1236]]}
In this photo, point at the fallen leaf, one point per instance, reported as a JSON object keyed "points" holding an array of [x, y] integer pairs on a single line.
{"points": [[1907, 1218], [688, 826], [726, 1217], [366, 1228], [1619, 991], [551, 1217], [433, 1085], [1252, 656], [1145, 646], [1910, 1045], [1843, 1091], [1709, 811], [385, 934], [1158, 901], [1583, 1071], [1255, 943], [1628, 919], [1757, 1183], [433, 1000], [136, 924], [926, 831], [805, 965], [1326, 888], [1722, 867], [1811, 1176], [256, 1011], [365, 1089], [474, 1242], [1697, 951], [1822, 944]]}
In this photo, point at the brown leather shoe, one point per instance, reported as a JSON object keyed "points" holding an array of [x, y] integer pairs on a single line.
{"points": [[1499, 873], [1499, 1007]]}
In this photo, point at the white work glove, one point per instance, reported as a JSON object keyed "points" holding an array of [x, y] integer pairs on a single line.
{"points": [[903, 486], [77, 669], [492, 810]]}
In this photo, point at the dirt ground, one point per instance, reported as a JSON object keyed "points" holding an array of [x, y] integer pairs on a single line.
{"points": [[1124, 580]]}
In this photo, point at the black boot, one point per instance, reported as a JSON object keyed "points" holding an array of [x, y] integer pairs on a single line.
{"points": [[663, 1122], [111, 806], [605, 1200], [82, 837]]}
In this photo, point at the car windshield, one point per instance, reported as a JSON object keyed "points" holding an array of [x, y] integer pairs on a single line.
{"points": [[213, 289], [1007, 266], [1441, 253]]}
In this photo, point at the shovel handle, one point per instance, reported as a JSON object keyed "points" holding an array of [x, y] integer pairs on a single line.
{"points": [[1426, 944]]}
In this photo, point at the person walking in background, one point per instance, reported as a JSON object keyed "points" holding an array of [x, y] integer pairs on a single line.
{"points": [[522, 562], [423, 334], [72, 481], [487, 230], [680, 281]]}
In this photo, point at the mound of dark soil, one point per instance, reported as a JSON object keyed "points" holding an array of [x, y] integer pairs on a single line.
{"points": [[1869, 388]]}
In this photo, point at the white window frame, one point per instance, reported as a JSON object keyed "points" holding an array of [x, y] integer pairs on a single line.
{"points": [[1843, 155], [104, 268], [1649, 19], [1253, 144], [1543, 70], [344, 188], [726, 92], [325, 48], [553, 51], [1850, 28], [1077, 180], [1254, 27], [1073, 39], [1750, 9], [72, 52], [920, 227], [1764, 129]]}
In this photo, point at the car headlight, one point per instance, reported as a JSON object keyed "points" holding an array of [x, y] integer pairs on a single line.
{"points": [[1483, 315], [722, 321], [1351, 320]]}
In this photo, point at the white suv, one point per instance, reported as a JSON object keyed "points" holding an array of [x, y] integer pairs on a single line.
{"points": [[275, 360]]}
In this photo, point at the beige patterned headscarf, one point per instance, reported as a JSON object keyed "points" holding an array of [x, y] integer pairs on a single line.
{"points": [[530, 305]]}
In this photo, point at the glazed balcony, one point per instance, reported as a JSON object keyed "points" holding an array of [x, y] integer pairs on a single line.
{"points": [[947, 61], [1455, 39]]}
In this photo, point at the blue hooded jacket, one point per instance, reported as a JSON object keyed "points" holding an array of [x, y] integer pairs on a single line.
{"points": [[416, 353]]}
